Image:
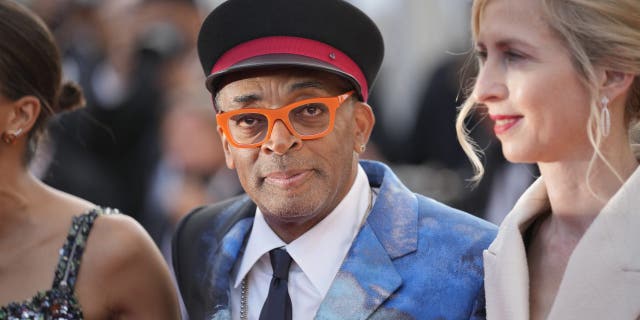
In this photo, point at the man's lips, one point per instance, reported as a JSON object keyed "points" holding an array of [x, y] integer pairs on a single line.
{"points": [[504, 122], [287, 179]]}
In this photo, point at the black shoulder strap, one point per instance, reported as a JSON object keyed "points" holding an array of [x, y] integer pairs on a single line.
{"points": [[200, 232]]}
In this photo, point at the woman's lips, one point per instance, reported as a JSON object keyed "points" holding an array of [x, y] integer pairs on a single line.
{"points": [[504, 122]]}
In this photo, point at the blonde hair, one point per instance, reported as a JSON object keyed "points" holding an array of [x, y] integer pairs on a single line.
{"points": [[604, 33]]}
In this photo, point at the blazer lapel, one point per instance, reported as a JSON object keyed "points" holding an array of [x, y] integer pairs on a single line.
{"points": [[368, 277], [505, 261], [602, 279], [365, 280]]}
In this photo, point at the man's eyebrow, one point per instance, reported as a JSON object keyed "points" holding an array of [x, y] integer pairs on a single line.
{"points": [[247, 98], [253, 97], [307, 84]]}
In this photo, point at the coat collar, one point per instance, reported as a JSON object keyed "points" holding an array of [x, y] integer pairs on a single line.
{"points": [[505, 261], [603, 273], [394, 216], [368, 276]]}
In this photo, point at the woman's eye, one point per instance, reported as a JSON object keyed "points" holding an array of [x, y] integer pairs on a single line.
{"points": [[513, 55], [481, 55], [508, 55]]}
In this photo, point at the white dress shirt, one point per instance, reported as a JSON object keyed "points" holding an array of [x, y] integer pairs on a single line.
{"points": [[317, 255]]}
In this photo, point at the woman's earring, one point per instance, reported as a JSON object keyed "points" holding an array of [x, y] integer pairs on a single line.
{"points": [[605, 117], [363, 148], [10, 138]]}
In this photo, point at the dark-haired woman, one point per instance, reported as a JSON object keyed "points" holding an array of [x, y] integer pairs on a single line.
{"points": [[61, 257]]}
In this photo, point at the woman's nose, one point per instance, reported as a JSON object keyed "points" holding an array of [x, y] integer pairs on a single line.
{"points": [[490, 84]]}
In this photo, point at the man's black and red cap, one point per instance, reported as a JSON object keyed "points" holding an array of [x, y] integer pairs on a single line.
{"points": [[328, 35]]}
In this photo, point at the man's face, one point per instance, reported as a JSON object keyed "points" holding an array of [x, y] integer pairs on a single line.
{"points": [[294, 182]]}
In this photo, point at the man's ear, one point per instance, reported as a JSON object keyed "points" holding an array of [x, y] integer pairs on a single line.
{"points": [[615, 84], [227, 152], [23, 114], [364, 120]]}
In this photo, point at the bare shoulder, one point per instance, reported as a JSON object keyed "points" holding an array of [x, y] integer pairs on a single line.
{"points": [[116, 243], [119, 234], [124, 272]]}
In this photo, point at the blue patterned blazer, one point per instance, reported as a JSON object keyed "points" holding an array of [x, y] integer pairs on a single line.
{"points": [[414, 258]]}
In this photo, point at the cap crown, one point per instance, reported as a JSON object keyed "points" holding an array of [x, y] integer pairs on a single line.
{"points": [[333, 22]]}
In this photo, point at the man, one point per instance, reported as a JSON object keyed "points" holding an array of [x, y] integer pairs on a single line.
{"points": [[318, 233]]}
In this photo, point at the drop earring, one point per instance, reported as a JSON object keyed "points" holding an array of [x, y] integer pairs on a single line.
{"points": [[605, 117]]}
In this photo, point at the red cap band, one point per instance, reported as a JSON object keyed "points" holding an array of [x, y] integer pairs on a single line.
{"points": [[297, 46]]}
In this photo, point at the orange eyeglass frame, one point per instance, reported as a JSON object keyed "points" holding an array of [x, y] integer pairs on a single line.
{"points": [[282, 114]]}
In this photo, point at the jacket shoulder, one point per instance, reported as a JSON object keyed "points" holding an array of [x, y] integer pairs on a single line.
{"points": [[457, 223]]}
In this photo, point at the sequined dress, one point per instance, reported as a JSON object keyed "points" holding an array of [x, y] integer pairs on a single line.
{"points": [[59, 302]]}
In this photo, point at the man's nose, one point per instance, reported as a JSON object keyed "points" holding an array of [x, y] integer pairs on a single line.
{"points": [[281, 139]]}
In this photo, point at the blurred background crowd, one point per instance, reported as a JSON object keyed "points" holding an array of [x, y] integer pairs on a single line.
{"points": [[147, 142]]}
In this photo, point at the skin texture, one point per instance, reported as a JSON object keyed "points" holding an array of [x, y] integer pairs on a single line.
{"points": [[528, 83], [295, 183], [122, 274]]}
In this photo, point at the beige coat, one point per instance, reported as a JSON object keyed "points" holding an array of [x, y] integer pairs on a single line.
{"points": [[602, 279]]}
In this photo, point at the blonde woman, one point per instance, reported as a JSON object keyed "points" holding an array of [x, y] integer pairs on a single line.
{"points": [[560, 80], [61, 257]]}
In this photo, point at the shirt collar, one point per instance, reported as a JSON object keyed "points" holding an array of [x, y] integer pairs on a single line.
{"points": [[335, 233], [261, 240]]}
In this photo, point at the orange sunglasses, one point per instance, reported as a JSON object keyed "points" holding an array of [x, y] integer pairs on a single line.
{"points": [[306, 119]]}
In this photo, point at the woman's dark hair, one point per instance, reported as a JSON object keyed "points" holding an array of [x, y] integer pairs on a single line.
{"points": [[30, 66]]}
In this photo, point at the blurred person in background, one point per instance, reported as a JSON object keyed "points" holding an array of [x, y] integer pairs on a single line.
{"points": [[119, 51], [61, 257], [561, 80], [192, 170]]}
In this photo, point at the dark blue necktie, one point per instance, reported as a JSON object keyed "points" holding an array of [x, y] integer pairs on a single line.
{"points": [[278, 303]]}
